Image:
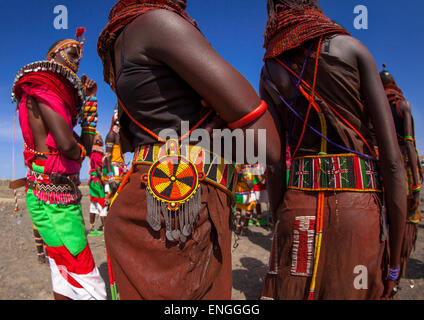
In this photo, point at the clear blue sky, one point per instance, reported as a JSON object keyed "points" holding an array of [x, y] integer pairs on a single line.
{"points": [[234, 27]]}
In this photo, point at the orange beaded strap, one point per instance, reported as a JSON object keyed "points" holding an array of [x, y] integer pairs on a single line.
{"points": [[39, 153], [154, 135]]}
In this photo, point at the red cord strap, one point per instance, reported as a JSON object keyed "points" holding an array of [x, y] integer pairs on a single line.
{"points": [[154, 135], [330, 106], [250, 117]]}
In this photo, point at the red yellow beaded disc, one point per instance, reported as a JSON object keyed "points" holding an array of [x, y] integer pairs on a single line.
{"points": [[173, 179]]}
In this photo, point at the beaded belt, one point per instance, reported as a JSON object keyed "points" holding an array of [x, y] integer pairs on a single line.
{"points": [[173, 184], [54, 188], [216, 171], [341, 172]]}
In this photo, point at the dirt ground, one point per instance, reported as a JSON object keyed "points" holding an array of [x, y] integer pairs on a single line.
{"points": [[22, 277]]}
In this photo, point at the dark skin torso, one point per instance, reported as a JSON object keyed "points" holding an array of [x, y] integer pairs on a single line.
{"points": [[221, 86], [38, 126], [353, 52]]}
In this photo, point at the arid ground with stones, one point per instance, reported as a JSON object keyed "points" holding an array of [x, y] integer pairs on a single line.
{"points": [[22, 277]]}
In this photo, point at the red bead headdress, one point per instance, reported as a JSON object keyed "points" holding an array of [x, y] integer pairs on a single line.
{"points": [[69, 43], [292, 23], [121, 14]]}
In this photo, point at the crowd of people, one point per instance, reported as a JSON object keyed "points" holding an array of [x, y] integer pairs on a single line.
{"points": [[340, 187]]}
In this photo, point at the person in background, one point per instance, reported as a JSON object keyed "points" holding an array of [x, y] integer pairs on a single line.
{"points": [[324, 91], [404, 123], [96, 186], [245, 199], [51, 99]]}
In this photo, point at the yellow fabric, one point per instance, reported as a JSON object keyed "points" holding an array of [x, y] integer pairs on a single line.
{"points": [[117, 155], [248, 207]]}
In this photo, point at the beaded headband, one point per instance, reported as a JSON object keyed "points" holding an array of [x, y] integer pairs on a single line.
{"points": [[65, 44], [69, 43]]}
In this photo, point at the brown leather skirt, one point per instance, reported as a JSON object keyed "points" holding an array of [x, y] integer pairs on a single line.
{"points": [[352, 253], [147, 266]]}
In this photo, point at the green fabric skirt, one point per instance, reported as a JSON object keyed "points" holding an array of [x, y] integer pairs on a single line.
{"points": [[58, 225]]}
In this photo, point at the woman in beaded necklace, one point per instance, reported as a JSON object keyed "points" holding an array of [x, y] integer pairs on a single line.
{"points": [[50, 98]]}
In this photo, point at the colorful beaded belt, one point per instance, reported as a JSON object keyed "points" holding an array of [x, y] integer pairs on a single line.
{"points": [[216, 172], [341, 172], [54, 188]]}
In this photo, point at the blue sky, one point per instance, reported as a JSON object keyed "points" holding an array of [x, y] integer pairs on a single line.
{"points": [[235, 29]]}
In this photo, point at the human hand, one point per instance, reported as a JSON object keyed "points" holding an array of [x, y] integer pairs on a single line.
{"points": [[90, 86]]}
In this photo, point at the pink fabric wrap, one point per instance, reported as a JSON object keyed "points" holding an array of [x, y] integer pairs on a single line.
{"points": [[95, 163], [55, 163]]}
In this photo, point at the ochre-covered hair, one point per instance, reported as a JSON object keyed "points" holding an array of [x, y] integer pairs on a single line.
{"points": [[292, 23], [123, 13]]}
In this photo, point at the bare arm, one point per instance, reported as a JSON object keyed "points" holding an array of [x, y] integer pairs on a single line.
{"points": [[276, 173], [410, 145], [411, 151], [391, 163], [90, 87], [171, 40]]}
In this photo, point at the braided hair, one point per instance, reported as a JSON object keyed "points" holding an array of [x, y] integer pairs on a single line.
{"points": [[294, 4], [298, 5]]}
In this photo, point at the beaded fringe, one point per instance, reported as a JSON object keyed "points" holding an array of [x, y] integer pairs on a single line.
{"points": [[179, 224], [57, 198]]}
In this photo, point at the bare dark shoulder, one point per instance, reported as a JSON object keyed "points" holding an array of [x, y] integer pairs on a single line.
{"points": [[405, 107], [346, 48], [157, 30], [140, 35]]}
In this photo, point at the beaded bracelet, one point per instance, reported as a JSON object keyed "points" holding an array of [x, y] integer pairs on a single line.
{"points": [[416, 188], [89, 130], [83, 153], [250, 117], [90, 109], [409, 138], [89, 118], [86, 124], [91, 98], [394, 273], [90, 114]]}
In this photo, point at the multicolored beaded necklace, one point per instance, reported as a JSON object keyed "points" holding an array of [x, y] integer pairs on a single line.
{"points": [[54, 67]]}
